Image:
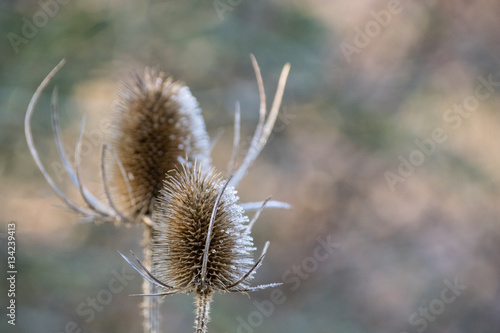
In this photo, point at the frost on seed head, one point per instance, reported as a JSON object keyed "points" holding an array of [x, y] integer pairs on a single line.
{"points": [[156, 121]]}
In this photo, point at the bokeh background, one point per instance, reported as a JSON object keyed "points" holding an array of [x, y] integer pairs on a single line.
{"points": [[368, 80]]}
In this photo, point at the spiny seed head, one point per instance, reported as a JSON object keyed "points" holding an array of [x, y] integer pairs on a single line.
{"points": [[157, 121], [181, 221]]}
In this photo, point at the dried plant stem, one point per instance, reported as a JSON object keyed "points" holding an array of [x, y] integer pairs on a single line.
{"points": [[266, 121], [202, 311], [150, 305]]}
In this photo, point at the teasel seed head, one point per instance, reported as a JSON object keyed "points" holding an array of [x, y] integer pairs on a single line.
{"points": [[157, 120], [181, 223]]}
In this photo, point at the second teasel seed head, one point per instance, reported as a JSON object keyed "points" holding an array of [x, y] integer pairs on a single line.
{"points": [[157, 120]]}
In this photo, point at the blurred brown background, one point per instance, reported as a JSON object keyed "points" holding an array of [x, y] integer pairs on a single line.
{"points": [[387, 145]]}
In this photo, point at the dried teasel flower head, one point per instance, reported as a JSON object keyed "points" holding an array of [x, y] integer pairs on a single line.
{"points": [[201, 238], [157, 121], [183, 218]]}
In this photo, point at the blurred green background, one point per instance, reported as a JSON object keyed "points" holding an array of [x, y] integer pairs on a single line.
{"points": [[355, 151]]}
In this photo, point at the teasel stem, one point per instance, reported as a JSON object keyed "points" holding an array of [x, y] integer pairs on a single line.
{"points": [[150, 305], [203, 301]]}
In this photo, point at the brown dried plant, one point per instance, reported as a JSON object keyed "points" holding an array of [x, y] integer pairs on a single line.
{"points": [[157, 121], [201, 238], [158, 127]]}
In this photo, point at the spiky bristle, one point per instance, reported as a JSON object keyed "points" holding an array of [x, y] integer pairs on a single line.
{"points": [[181, 222], [156, 122]]}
